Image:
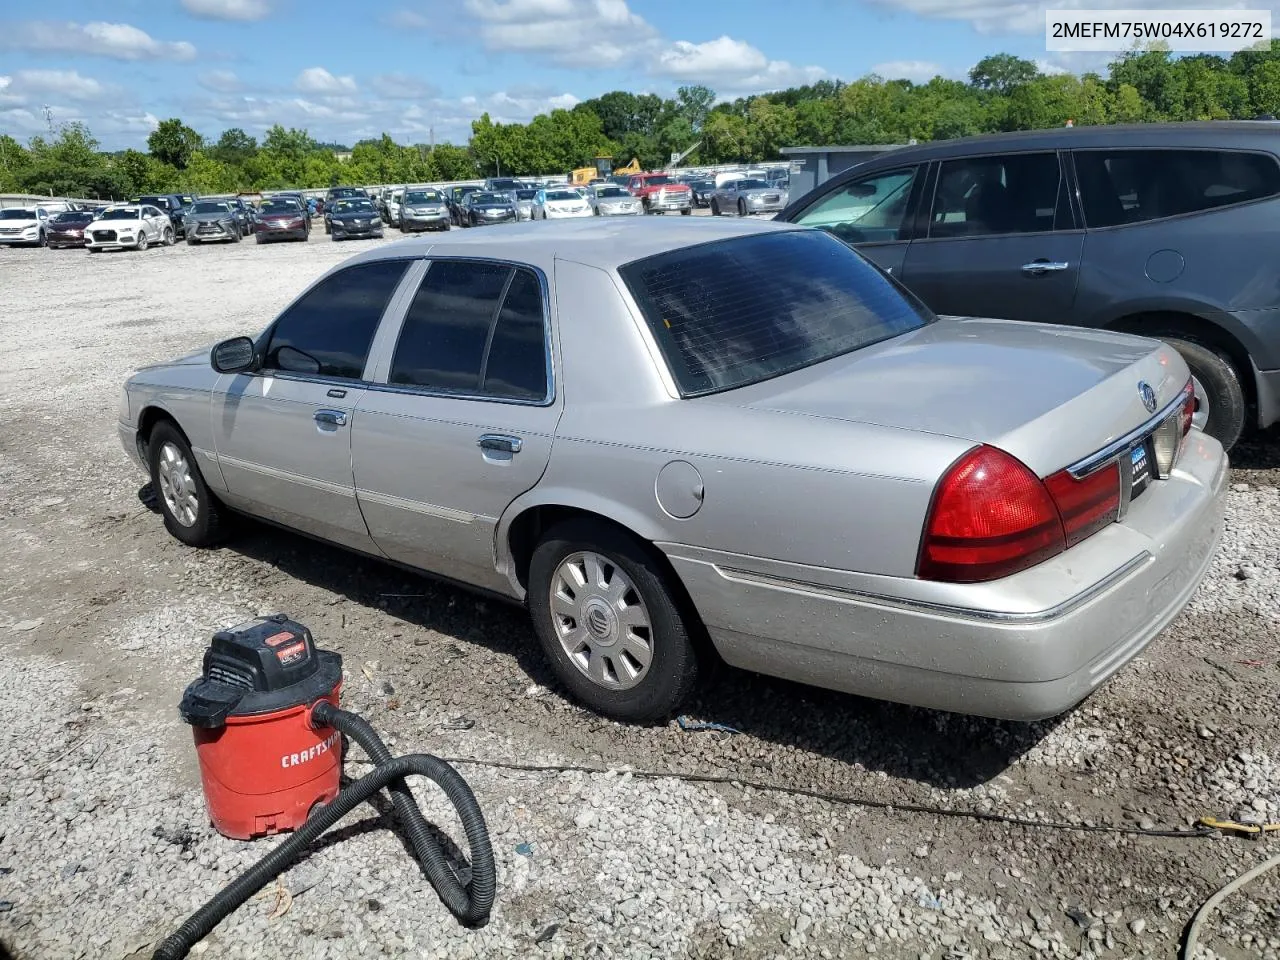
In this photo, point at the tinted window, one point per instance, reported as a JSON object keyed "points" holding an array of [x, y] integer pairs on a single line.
{"points": [[210, 207], [737, 311], [446, 330], [873, 208], [981, 196], [1129, 186], [329, 330], [516, 367]]}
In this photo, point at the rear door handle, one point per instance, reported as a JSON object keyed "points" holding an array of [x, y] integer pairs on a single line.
{"points": [[500, 443], [335, 418], [1038, 267]]}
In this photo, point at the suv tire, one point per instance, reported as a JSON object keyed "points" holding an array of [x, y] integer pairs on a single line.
{"points": [[1228, 409]]}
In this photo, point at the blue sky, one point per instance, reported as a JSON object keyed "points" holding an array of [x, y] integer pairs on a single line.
{"points": [[347, 70]]}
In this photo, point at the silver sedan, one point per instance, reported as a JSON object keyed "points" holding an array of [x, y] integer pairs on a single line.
{"points": [[799, 465], [745, 197], [609, 200]]}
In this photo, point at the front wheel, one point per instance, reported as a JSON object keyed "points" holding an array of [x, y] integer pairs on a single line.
{"points": [[609, 621], [191, 240], [1221, 408], [742, 208], [687, 212], [143, 242], [190, 512], [715, 208]]}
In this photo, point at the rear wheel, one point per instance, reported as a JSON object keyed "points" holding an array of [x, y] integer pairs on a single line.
{"points": [[1221, 408], [609, 621], [190, 511], [168, 236]]}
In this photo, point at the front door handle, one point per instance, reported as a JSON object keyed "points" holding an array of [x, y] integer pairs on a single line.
{"points": [[1038, 267], [500, 443], [335, 418]]}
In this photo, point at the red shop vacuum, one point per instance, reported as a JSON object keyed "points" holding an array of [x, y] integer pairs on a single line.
{"points": [[271, 740]]}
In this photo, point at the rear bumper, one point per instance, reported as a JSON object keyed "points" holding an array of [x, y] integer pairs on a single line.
{"points": [[1027, 647]]}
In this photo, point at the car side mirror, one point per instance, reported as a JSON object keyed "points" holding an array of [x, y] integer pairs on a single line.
{"points": [[237, 355]]}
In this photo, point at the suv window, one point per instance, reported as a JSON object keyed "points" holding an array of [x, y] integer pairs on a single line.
{"points": [[870, 209], [1129, 186], [328, 331], [986, 196], [738, 311], [475, 328]]}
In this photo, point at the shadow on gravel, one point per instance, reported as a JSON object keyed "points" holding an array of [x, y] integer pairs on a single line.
{"points": [[1258, 451], [939, 749]]}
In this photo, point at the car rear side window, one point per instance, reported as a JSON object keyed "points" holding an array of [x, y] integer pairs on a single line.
{"points": [[328, 332], [474, 328], [738, 311], [988, 196], [1130, 186]]}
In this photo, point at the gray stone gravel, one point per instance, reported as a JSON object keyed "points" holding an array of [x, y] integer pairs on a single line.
{"points": [[104, 846]]}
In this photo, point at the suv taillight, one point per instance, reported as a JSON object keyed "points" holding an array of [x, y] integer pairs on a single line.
{"points": [[992, 516]]}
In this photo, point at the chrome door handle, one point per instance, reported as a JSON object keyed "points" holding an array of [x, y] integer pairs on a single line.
{"points": [[500, 443], [1038, 267], [336, 418]]}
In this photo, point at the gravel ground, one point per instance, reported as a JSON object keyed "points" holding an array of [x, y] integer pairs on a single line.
{"points": [[103, 617]]}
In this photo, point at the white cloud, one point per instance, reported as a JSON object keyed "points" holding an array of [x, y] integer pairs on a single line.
{"points": [[917, 71], [66, 84], [119, 41], [731, 67], [227, 9], [578, 33], [1027, 16], [220, 81], [319, 80]]}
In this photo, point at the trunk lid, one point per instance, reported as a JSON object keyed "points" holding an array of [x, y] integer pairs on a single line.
{"points": [[1049, 395]]}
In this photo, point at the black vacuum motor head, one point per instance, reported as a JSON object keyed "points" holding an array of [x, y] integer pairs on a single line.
{"points": [[261, 666]]}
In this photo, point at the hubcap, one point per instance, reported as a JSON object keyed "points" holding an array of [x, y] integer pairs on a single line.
{"points": [[1201, 416], [177, 486], [601, 620]]}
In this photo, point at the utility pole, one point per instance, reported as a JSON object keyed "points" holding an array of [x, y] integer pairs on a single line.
{"points": [[431, 132], [48, 118]]}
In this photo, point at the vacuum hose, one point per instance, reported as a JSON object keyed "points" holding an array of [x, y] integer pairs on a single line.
{"points": [[470, 903]]}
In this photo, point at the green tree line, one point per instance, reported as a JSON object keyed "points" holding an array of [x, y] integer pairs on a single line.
{"points": [[1002, 92]]}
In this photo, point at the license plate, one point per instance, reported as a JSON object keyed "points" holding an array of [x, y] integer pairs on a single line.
{"points": [[1141, 463]]}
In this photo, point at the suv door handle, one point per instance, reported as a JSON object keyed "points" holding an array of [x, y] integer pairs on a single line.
{"points": [[500, 443], [336, 418], [1038, 267]]}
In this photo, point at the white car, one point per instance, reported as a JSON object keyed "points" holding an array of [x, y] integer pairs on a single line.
{"points": [[559, 203], [23, 225], [129, 226], [611, 200]]}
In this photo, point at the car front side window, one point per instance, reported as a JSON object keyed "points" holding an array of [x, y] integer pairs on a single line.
{"points": [[475, 328], [869, 209], [991, 196], [329, 331]]}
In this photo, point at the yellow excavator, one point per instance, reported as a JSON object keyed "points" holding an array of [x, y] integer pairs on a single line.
{"points": [[601, 170]]}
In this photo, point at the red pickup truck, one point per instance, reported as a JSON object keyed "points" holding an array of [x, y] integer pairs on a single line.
{"points": [[659, 193]]}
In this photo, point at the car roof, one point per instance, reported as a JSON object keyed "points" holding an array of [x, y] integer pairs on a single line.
{"points": [[604, 242], [1228, 134]]}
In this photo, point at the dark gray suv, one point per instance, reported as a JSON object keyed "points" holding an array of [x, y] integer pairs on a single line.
{"points": [[1166, 230]]}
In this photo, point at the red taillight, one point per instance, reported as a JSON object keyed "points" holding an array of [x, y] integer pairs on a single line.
{"points": [[1088, 504], [991, 517], [1188, 409]]}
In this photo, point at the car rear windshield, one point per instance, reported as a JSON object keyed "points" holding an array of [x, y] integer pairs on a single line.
{"points": [[734, 312]]}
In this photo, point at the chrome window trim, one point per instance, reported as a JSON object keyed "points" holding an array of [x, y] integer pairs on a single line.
{"points": [[929, 607], [1101, 458], [382, 382]]}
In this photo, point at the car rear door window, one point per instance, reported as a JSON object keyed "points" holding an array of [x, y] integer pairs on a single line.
{"points": [[738, 311], [1130, 186], [868, 209], [992, 196], [475, 328], [328, 332]]}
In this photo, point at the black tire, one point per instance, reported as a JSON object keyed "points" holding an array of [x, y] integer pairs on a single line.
{"points": [[167, 239], [1228, 408], [715, 208], [94, 249], [43, 241], [191, 240], [673, 669], [211, 518], [742, 208], [687, 212], [236, 235]]}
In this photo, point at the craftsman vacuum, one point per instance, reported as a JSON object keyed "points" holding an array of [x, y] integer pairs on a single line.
{"points": [[271, 740]]}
